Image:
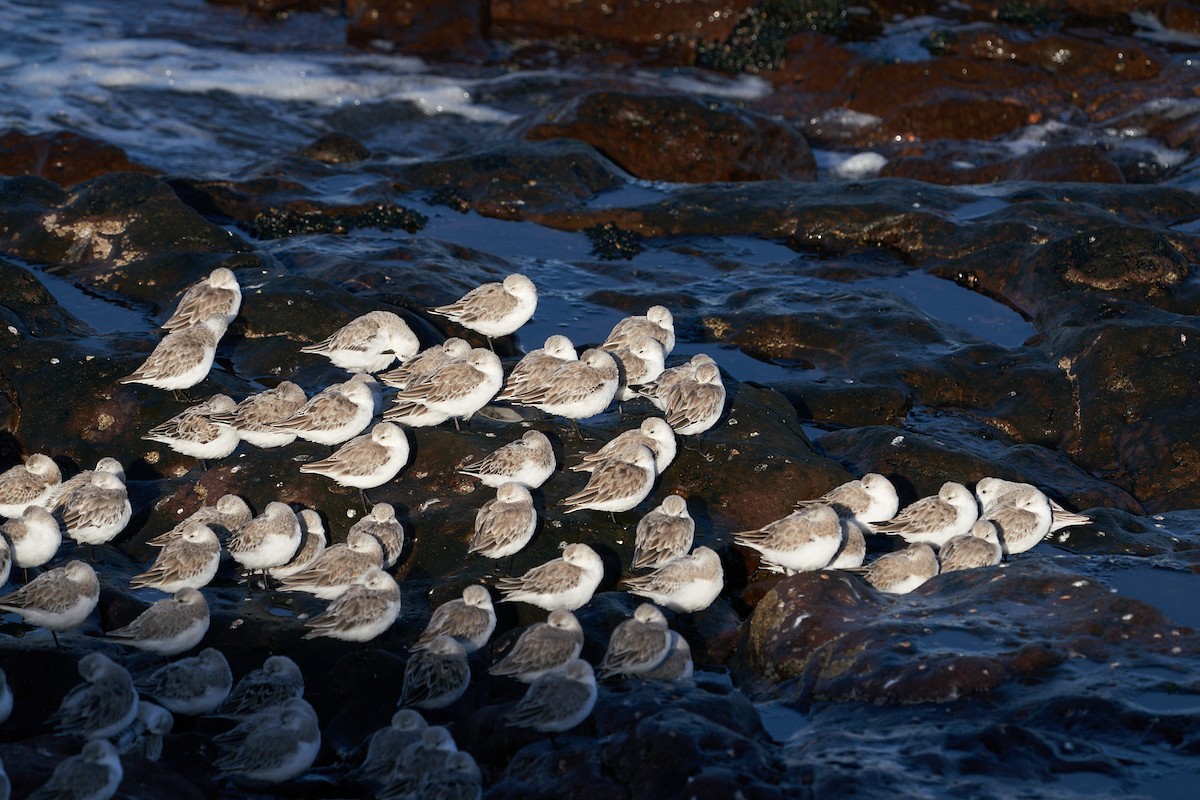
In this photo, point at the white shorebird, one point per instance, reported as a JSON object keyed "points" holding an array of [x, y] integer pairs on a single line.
{"points": [[183, 358], [168, 627], [277, 681], [803, 541], [428, 755], [677, 666], [365, 461], [617, 484], [537, 366], [654, 433], [369, 343], [96, 512], [268, 540], [1022, 517], [575, 390], [992, 490], [456, 391], [902, 571], [494, 309], [657, 323], [867, 500], [196, 432], [276, 745], [335, 415], [663, 535], [362, 612], [229, 513], [935, 519], [73, 485], [470, 619], [562, 583], [190, 686], [979, 547], [94, 774], [100, 707], [853, 551], [437, 675], [542, 648], [695, 404], [558, 701], [687, 584], [254, 417], [35, 537], [219, 293], [339, 567], [33, 483], [386, 744], [58, 600], [641, 361], [312, 545], [145, 734], [457, 778], [529, 461], [638, 644], [505, 524], [426, 363], [382, 524]]}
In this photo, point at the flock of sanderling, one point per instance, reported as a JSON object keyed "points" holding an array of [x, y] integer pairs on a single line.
{"points": [[277, 736]]}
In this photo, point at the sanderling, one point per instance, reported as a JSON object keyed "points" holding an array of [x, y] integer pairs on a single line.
{"points": [[229, 513], [335, 415], [537, 366], [853, 550], [658, 323], [641, 362], [386, 744], [362, 612], [494, 309], [190, 686], [218, 293], [437, 675], [77, 483], [565, 583], [457, 778], [542, 648], [6, 698], [654, 433], [275, 745], [339, 567], [189, 560], [558, 701], [505, 524], [991, 491], [35, 537], [529, 461], [369, 343], [656, 392], [276, 682], [33, 483], [638, 644], [576, 390], [979, 547], [1023, 518], [195, 433], [254, 417], [664, 534], [617, 484], [426, 363], [689, 583], [94, 774], [183, 358], [145, 734], [470, 619], [677, 666], [803, 541], [6, 561], [365, 461], [312, 544], [58, 599], [428, 754], [695, 405], [902, 571], [457, 390], [382, 524], [102, 705], [168, 627], [867, 500], [935, 519], [97, 512], [268, 540]]}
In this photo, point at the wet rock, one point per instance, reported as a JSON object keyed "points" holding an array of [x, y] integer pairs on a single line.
{"points": [[64, 157], [336, 148], [1076, 163], [830, 637], [679, 138], [425, 27]]}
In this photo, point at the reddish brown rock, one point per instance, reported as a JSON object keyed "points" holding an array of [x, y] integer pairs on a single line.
{"points": [[1056, 163], [679, 138], [63, 157], [431, 28]]}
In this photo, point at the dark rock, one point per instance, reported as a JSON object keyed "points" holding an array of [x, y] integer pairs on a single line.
{"points": [[1076, 163], [424, 27], [64, 157], [682, 139], [336, 148]]}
